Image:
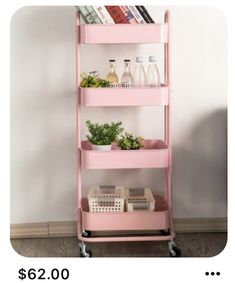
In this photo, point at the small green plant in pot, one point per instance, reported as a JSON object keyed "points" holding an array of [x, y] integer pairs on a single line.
{"points": [[101, 136], [93, 80], [128, 141]]}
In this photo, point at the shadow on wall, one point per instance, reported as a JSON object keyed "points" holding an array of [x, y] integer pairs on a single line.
{"points": [[200, 168]]}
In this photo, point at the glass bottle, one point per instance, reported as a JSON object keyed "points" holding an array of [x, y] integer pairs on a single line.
{"points": [[153, 76], [139, 73], [112, 76], [127, 79]]}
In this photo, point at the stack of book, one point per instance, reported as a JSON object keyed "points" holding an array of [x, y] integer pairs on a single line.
{"points": [[115, 14]]}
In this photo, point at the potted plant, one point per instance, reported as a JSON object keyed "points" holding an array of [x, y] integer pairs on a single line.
{"points": [[102, 135], [128, 141], [93, 80]]}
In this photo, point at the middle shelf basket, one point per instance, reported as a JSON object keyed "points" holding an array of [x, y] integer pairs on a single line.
{"points": [[153, 155], [120, 96]]}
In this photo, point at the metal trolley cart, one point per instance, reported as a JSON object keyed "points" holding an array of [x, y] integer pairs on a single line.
{"points": [[155, 154]]}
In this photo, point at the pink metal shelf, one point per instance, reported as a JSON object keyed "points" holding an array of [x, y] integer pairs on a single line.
{"points": [[121, 221], [123, 33], [153, 155], [120, 96]]}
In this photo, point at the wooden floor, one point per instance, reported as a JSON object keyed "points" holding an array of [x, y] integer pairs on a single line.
{"points": [[191, 245]]}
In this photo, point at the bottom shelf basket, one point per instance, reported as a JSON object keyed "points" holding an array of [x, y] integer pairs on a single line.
{"points": [[139, 220]]}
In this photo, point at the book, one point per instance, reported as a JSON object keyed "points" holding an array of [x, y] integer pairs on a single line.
{"points": [[89, 15], [117, 14], [126, 11], [144, 13], [137, 15], [84, 14], [103, 14], [93, 14]]}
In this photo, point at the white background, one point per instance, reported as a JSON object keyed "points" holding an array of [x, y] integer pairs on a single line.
{"points": [[185, 270], [43, 113]]}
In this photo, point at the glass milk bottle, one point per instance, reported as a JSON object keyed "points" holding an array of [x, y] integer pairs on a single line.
{"points": [[112, 76], [139, 73], [153, 76], [127, 79]]}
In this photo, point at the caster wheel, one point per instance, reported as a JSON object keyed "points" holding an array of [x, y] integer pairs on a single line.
{"points": [[86, 233], [165, 232], [84, 251], [87, 254], [175, 252]]}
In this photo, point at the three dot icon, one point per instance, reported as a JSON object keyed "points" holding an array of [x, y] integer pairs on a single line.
{"points": [[212, 273]]}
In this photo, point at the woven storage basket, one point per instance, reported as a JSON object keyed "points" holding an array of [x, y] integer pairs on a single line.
{"points": [[106, 199], [138, 199]]}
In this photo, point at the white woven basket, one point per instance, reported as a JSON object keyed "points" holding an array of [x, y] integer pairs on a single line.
{"points": [[106, 199], [140, 199]]}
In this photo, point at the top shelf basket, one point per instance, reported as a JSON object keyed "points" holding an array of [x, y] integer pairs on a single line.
{"points": [[123, 33]]}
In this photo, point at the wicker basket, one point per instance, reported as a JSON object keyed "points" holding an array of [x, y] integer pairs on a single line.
{"points": [[106, 199], [138, 199]]}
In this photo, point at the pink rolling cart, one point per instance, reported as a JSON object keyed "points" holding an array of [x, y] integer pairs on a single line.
{"points": [[155, 154]]}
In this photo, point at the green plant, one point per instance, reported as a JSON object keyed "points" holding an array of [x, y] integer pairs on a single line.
{"points": [[128, 141], [92, 80], [103, 134]]}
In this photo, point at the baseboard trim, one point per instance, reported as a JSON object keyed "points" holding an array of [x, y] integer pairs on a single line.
{"points": [[69, 228], [29, 230], [189, 225], [62, 229]]}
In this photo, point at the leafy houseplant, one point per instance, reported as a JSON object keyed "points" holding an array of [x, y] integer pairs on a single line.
{"points": [[92, 80], [102, 135], [128, 141]]}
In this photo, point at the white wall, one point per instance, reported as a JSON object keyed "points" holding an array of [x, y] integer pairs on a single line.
{"points": [[43, 117]]}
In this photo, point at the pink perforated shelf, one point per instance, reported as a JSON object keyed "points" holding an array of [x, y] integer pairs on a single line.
{"points": [[153, 155], [124, 96], [123, 33], [143, 220]]}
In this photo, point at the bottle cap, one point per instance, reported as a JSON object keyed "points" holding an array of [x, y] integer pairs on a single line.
{"points": [[139, 59], [112, 60], [152, 59]]}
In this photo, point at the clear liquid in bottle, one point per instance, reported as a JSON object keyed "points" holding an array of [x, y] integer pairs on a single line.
{"points": [[112, 76], [139, 73], [153, 76], [127, 79]]}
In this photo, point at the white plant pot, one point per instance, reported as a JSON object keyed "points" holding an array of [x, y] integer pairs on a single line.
{"points": [[101, 147]]}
